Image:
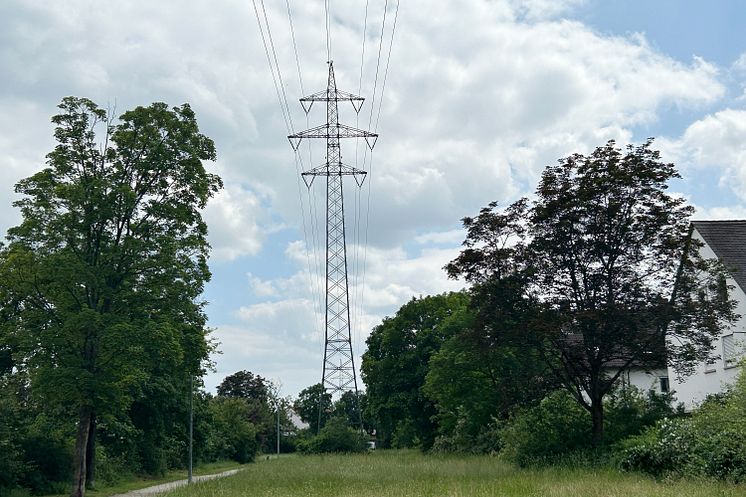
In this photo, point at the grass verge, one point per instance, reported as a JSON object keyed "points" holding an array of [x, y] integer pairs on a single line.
{"points": [[139, 482], [411, 474]]}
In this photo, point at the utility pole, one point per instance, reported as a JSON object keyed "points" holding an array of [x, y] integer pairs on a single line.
{"points": [[338, 367]]}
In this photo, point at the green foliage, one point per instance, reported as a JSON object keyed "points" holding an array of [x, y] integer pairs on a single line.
{"points": [[395, 366], [557, 426], [629, 411], [711, 443], [473, 384], [244, 384], [599, 268], [236, 435], [314, 406], [101, 280], [11, 461], [336, 436], [348, 408]]}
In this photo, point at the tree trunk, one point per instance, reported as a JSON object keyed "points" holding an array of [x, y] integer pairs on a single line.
{"points": [[597, 415], [90, 455], [81, 444]]}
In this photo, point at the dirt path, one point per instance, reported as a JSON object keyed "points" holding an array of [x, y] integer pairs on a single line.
{"points": [[156, 489]]}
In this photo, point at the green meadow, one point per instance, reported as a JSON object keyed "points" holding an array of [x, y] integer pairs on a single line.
{"points": [[412, 474]]}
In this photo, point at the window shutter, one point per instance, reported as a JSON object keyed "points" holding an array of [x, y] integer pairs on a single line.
{"points": [[729, 351]]}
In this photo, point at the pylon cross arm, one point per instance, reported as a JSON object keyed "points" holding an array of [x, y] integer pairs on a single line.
{"points": [[333, 95], [333, 131]]}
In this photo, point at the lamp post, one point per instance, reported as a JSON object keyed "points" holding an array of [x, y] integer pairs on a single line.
{"points": [[191, 424], [277, 406]]}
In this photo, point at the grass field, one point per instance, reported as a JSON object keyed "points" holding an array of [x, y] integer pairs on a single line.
{"points": [[411, 474]]}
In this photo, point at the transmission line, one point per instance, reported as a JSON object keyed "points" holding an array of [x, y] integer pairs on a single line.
{"points": [[370, 165]]}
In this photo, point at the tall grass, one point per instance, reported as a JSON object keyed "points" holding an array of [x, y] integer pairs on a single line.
{"points": [[411, 474]]}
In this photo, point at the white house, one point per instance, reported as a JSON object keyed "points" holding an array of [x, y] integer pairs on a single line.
{"points": [[725, 240]]}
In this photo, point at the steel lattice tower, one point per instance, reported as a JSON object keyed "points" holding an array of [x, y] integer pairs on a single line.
{"points": [[338, 374]]}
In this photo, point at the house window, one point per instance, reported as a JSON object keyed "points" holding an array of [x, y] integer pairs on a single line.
{"points": [[709, 366], [664, 384], [729, 351]]}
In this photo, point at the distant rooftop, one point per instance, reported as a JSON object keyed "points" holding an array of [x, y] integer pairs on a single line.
{"points": [[728, 240]]}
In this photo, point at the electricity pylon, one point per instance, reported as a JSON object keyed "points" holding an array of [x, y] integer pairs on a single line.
{"points": [[338, 373]]}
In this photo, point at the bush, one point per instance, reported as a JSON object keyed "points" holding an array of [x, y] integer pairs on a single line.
{"points": [[487, 440], [658, 450], [335, 436], [711, 443], [628, 411], [235, 434], [558, 425]]}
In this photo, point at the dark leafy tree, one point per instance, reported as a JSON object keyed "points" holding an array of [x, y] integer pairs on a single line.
{"points": [[396, 363], [605, 258], [348, 407], [104, 273], [244, 384], [314, 406]]}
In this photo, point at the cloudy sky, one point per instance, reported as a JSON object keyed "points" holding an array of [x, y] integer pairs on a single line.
{"points": [[479, 96]]}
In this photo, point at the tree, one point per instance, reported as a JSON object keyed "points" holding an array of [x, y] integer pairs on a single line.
{"points": [[396, 363], [244, 384], [349, 407], [109, 260], [474, 382], [603, 264], [314, 405]]}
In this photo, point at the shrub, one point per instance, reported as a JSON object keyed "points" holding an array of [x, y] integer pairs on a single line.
{"points": [[487, 440], [556, 426], [559, 426], [711, 443], [660, 449], [335, 436], [235, 434]]}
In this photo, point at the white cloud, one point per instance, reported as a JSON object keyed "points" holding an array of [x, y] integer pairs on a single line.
{"points": [[260, 287], [258, 349], [479, 95], [452, 237], [715, 141], [543, 9], [724, 212], [233, 220]]}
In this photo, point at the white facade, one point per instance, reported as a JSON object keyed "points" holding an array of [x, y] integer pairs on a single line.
{"points": [[712, 378], [646, 379]]}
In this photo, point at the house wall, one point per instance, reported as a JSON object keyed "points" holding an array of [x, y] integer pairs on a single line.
{"points": [[693, 389], [645, 380]]}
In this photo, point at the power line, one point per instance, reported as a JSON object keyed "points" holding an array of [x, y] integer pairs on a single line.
{"points": [[295, 47], [328, 31], [370, 165], [285, 110], [277, 66], [388, 60], [271, 69]]}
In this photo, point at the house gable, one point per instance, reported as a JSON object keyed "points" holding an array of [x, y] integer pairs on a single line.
{"points": [[727, 240]]}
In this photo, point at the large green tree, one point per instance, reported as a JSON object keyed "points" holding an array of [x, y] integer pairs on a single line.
{"points": [[603, 262], [104, 273], [314, 406], [396, 363], [244, 384]]}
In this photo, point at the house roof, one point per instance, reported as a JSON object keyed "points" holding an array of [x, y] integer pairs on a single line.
{"points": [[728, 240]]}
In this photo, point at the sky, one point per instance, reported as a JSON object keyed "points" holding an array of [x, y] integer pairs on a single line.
{"points": [[476, 99]]}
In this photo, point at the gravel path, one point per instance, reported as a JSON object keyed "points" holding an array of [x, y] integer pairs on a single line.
{"points": [[156, 489]]}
